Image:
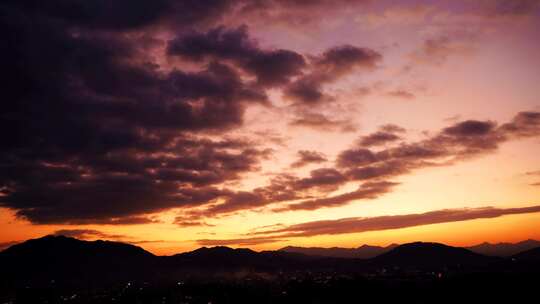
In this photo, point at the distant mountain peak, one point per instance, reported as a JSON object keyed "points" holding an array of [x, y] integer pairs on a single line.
{"points": [[504, 249], [364, 251], [58, 245]]}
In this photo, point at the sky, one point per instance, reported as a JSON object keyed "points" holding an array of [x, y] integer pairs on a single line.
{"points": [[179, 124]]}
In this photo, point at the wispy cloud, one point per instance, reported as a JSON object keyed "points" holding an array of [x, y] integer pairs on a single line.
{"points": [[365, 224]]}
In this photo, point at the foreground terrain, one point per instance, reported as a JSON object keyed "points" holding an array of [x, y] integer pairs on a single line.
{"points": [[57, 269]]}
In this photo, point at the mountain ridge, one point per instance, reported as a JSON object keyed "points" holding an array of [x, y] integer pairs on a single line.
{"points": [[364, 251], [502, 249], [72, 261]]}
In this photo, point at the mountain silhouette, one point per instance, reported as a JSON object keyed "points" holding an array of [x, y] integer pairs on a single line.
{"points": [[367, 251], [429, 255], [69, 261], [220, 258], [64, 259], [362, 252], [532, 255], [504, 249], [62, 247]]}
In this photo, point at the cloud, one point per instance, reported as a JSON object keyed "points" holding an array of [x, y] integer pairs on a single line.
{"points": [[85, 234], [470, 128], [239, 242], [460, 141], [524, 124], [328, 67], [386, 134], [369, 190], [91, 234], [401, 94], [307, 91], [124, 220], [321, 122], [100, 144], [95, 131], [378, 138], [321, 177], [341, 60], [98, 128], [181, 222], [438, 50], [356, 157], [365, 224], [374, 168], [306, 157], [295, 13], [106, 15], [117, 188], [510, 7], [270, 67]]}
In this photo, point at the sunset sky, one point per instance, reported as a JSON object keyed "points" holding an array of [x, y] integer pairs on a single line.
{"points": [[266, 123]]}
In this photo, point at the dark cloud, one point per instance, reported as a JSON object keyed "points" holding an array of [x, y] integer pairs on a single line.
{"points": [[460, 140], [326, 68], [321, 177], [295, 12], [219, 42], [364, 224], [386, 134], [274, 67], [524, 124], [391, 128], [306, 157], [356, 157], [100, 14], [510, 7], [321, 122], [457, 142], [375, 168], [239, 200], [382, 170], [368, 190], [126, 14], [112, 189], [123, 220], [307, 90], [312, 3], [340, 60], [470, 128], [93, 132], [281, 188], [270, 67], [438, 50]]}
